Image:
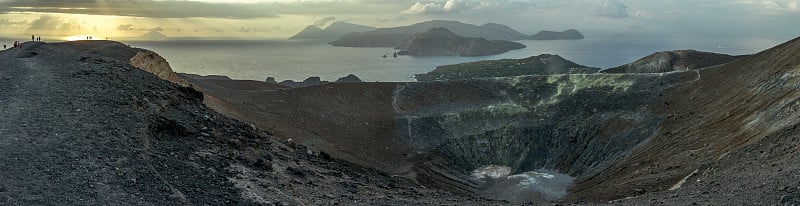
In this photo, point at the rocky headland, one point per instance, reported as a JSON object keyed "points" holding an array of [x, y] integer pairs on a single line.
{"points": [[569, 34], [442, 42], [544, 64]]}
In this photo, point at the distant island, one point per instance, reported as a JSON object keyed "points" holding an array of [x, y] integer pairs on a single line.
{"points": [[570, 34], [398, 36], [442, 42], [334, 31], [153, 35], [536, 65], [679, 60]]}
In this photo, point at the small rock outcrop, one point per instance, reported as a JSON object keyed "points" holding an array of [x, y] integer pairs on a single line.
{"points": [[151, 62], [536, 65], [570, 34], [679, 60], [442, 42], [349, 78]]}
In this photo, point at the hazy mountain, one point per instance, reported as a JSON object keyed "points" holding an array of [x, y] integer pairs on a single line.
{"points": [[334, 31], [397, 36], [570, 34], [310, 32], [442, 42], [153, 35]]}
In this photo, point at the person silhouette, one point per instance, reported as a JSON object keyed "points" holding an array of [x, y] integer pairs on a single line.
{"points": [[33, 37]]}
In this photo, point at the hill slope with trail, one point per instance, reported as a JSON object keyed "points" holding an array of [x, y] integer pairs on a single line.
{"points": [[79, 125]]}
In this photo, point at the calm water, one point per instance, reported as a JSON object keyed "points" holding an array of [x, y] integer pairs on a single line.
{"points": [[297, 60]]}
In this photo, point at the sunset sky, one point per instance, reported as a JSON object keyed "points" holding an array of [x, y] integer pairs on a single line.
{"points": [[281, 18]]}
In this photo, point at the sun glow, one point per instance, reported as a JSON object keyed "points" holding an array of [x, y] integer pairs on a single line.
{"points": [[77, 38]]}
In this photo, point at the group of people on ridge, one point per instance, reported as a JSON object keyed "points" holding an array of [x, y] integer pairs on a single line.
{"points": [[18, 44]]}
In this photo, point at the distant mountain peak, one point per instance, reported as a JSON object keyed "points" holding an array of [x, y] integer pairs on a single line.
{"points": [[334, 31], [154, 35]]}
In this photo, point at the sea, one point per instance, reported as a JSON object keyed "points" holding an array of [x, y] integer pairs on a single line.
{"points": [[299, 59]]}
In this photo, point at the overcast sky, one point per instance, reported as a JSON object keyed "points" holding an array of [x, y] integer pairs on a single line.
{"points": [[769, 19]]}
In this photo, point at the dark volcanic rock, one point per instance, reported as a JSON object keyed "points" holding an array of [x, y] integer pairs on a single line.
{"points": [[103, 132], [397, 37], [570, 34], [541, 65], [442, 42], [679, 60], [311, 81], [349, 78], [723, 135]]}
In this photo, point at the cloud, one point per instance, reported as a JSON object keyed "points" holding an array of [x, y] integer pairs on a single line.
{"points": [[324, 21], [125, 27], [51, 23], [257, 29], [613, 9], [7, 22], [138, 8], [643, 14], [439, 7]]}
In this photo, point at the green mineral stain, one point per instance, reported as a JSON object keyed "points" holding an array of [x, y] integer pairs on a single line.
{"points": [[569, 84]]}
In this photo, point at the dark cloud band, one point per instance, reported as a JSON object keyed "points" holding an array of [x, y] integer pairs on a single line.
{"points": [[138, 8]]}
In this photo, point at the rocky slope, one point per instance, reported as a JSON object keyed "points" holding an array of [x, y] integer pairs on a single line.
{"points": [[534, 65], [79, 125], [570, 34], [667, 61], [334, 31], [397, 37], [717, 135], [442, 42]]}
